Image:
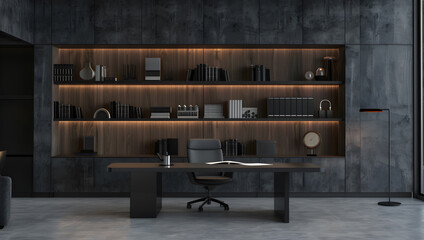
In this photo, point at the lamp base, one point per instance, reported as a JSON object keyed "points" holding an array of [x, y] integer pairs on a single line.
{"points": [[389, 204]]}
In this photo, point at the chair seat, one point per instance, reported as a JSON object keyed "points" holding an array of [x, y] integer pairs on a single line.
{"points": [[212, 180]]}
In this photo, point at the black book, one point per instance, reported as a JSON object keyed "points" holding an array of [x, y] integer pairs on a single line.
{"points": [[204, 71], [56, 109], [311, 109], [288, 107], [198, 72], [299, 107], [73, 112], [269, 107], [293, 107], [161, 109], [252, 73], [304, 107], [188, 77], [282, 105], [276, 107], [268, 75], [257, 73], [263, 73]]}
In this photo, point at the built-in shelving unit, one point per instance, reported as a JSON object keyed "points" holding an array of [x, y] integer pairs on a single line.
{"points": [[136, 137], [306, 83], [208, 120]]}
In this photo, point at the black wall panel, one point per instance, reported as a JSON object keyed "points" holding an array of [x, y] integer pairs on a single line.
{"points": [[117, 22], [281, 22], [73, 22], [231, 22]]}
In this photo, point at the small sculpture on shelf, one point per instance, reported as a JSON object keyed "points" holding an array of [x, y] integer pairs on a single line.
{"points": [[87, 73], [189, 112]]}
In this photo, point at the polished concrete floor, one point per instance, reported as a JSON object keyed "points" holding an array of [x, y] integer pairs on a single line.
{"points": [[248, 218]]}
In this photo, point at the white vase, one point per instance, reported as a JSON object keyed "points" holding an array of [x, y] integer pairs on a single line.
{"points": [[87, 73]]}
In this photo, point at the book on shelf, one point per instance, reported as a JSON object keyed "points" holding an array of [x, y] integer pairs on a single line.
{"points": [[161, 109], [124, 111], [100, 73], [214, 111], [66, 111], [63, 73], [232, 147], [235, 108], [259, 73], [205, 73], [240, 163], [290, 107]]}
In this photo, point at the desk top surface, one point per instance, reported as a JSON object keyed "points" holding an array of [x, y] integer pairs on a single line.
{"points": [[202, 167]]}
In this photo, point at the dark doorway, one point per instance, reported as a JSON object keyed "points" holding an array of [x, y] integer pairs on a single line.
{"points": [[17, 115]]}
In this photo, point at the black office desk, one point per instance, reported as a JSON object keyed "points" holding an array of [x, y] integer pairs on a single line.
{"points": [[146, 182]]}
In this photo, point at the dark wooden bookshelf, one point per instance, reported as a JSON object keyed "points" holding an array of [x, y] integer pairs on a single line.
{"points": [[206, 120], [77, 155], [135, 137], [144, 82]]}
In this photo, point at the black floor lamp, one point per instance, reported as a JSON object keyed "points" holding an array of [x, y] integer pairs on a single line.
{"points": [[378, 110]]}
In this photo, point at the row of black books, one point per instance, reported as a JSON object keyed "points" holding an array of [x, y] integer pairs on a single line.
{"points": [[160, 112], [125, 111], [66, 111], [260, 73], [290, 107], [232, 147], [203, 72], [63, 72]]}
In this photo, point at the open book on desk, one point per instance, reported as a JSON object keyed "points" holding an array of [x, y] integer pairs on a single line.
{"points": [[240, 163]]}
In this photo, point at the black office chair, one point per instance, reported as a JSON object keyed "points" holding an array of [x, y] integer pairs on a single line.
{"points": [[201, 151]]}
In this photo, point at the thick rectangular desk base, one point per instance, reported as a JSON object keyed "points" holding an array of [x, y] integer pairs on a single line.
{"points": [[146, 194]]}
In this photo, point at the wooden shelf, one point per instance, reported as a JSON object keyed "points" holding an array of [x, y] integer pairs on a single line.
{"points": [[202, 83], [173, 157], [208, 120]]}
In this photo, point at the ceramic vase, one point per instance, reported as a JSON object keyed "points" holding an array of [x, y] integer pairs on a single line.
{"points": [[87, 73]]}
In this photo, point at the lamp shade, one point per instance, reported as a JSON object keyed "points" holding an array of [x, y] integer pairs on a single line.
{"points": [[370, 110]]}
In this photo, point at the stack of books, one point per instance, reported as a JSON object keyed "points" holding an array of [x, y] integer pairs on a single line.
{"points": [[214, 111], [235, 108], [290, 107], [203, 72], [232, 147], [124, 111], [66, 111], [63, 73], [160, 112], [100, 73], [260, 73]]}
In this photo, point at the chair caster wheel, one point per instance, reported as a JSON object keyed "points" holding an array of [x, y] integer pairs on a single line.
{"points": [[188, 206], [227, 208], [200, 209]]}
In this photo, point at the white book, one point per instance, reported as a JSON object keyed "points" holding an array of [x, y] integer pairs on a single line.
{"points": [[240, 163], [241, 109], [98, 73]]}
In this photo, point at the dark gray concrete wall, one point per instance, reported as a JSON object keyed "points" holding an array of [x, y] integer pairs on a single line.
{"points": [[17, 18], [378, 39]]}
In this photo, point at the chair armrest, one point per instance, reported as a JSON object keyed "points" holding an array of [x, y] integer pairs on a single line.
{"points": [[5, 198]]}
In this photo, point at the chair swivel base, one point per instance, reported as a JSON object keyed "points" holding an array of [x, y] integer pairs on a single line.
{"points": [[208, 200], [389, 204]]}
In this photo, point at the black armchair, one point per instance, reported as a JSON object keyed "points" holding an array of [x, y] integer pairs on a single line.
{"points": [[5, 193], [201, 151]]}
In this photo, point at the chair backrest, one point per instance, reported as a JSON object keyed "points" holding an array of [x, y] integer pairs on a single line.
{"points": [[204, 150], [2, 160]]}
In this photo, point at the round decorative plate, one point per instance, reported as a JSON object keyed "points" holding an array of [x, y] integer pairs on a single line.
{"points": [[311, 139]]}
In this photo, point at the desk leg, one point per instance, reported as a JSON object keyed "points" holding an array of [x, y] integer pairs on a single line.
{"points": [[146, 194], [281, 195]]}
